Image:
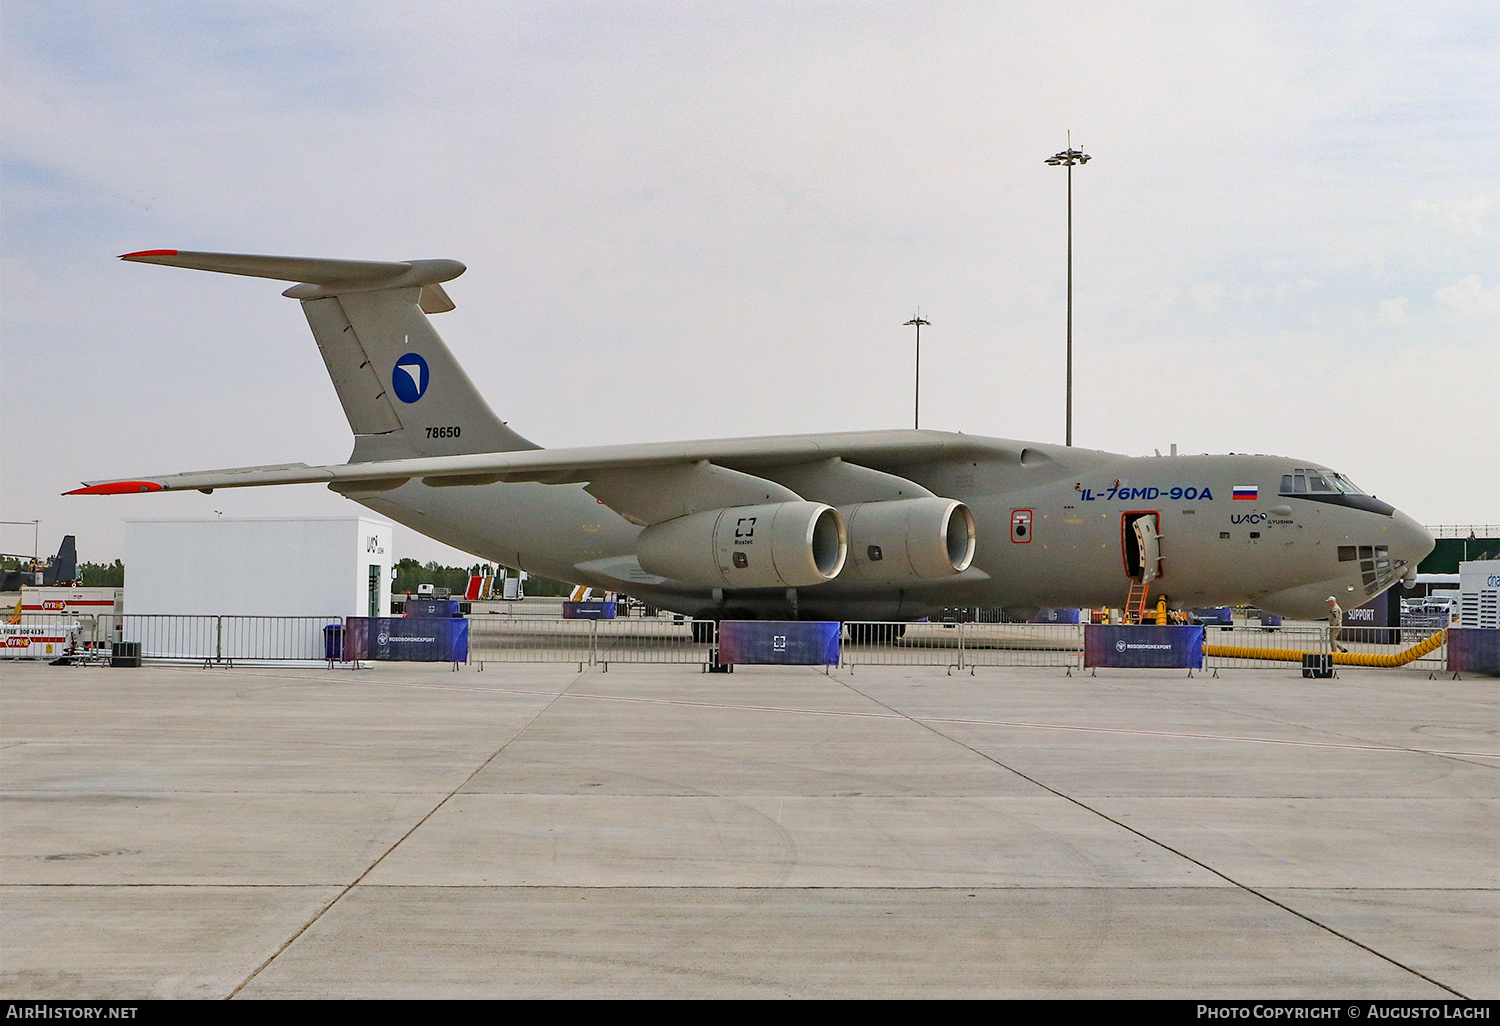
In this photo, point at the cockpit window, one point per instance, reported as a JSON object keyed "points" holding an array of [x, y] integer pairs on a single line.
{"points": [[1314, 479]]}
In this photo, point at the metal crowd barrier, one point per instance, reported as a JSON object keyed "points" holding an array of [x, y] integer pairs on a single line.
{"points": [[95, 630], [530, 640], [272, 637], [590, 642], [962, 646], [224, 640], [1022, 644], [175, 638], [874, 643], [1264, 648], [211, 640], [1255, 649], [644, 640], [867, 643]]}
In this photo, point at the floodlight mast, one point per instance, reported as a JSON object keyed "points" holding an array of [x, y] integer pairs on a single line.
{"points": [[36, 529], [1068, 158], [916, 415]]}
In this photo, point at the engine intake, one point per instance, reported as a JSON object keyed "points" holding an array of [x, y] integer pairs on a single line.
{"points": [[784, 544], [906, 539]]}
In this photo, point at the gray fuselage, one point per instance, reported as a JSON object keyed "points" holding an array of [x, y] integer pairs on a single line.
{"points": [[1278, 552]]}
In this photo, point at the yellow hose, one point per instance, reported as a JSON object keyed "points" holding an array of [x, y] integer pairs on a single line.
{"points": [[1417, 651]]}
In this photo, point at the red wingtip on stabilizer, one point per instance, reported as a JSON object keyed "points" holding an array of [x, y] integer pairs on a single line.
{"points": [[148, 252], [117, 488]]}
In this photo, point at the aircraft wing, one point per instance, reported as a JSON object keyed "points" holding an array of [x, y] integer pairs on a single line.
{"points": [[646, 483]]}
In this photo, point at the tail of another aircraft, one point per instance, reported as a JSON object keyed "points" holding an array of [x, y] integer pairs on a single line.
{"points": [[402, 391], [64, 566]]}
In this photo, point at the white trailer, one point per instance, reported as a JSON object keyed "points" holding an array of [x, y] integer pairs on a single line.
{"points": [[37, 640], [68, 601], [95, 614], [235, 588], [1479, 593], [272, 566]]}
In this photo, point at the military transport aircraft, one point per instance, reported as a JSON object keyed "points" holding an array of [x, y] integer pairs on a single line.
{"points": [[875, 525]]}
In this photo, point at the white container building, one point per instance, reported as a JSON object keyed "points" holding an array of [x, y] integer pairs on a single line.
{"points": [[1479, 593], [272, 566], [255, 588]]}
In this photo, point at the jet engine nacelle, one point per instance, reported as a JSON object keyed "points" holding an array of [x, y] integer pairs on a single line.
{"points": [[784, 544], [909, 539]]}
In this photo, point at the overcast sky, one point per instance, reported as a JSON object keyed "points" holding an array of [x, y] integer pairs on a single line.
{"points": [[695, 220]]}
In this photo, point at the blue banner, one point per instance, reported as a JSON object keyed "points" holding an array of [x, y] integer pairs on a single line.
{"points": [[782, 642], [407, 639], [1162, 648], [429, 608], [595, 609], [1218, 616]]}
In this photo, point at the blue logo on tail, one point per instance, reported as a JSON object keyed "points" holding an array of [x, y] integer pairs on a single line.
{"points": [[410, 378]]}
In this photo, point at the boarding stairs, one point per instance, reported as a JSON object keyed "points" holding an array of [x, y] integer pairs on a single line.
{"points": [[1148, 542], [1135, 602]]}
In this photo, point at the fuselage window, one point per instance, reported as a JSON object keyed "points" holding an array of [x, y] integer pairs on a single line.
{"points": [[1347, 554], [1301, 485], [1319, 483]]}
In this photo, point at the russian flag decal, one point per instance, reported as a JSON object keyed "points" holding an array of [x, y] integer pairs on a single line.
{"points": [[1251, 492]]}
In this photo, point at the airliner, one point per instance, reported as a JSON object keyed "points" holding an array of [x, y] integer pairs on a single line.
{"points": [[871, 525]]}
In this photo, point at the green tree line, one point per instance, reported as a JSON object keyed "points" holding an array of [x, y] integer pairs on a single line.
{"points": [[102, 575], [410, 574], [93, 575]]}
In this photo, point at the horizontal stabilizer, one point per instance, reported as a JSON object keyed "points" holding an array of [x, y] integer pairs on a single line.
{"points": [[318, 277]]}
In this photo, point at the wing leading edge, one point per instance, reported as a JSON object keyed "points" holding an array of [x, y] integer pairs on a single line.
{"points": [[599, 464]]}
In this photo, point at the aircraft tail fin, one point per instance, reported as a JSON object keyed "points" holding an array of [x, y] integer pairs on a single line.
{"points": [[402, 391], [64, 567]]}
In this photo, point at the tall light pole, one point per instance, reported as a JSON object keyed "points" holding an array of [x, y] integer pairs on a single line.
{"points": [[36, 533], [1068, 158], [916, 415]]}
